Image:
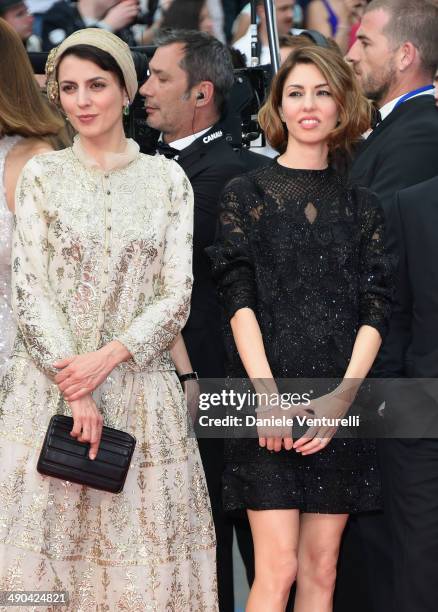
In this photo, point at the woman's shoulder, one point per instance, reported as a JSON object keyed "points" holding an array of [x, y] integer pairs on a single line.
{"points": [[161, 165], [35, 146], [43, 158], [156, 161], [250, 180], [26, 149], [42, 167]]}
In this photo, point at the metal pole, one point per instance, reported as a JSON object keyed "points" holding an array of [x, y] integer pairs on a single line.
{"points": [[271, 25], [254, 35]]}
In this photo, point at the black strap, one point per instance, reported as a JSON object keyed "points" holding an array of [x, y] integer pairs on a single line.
{"points": [[188, 376]]}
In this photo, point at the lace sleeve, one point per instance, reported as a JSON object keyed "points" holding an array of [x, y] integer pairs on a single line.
{"points": [[41, 320], [232, 264], [376, 279], [153, 330]]}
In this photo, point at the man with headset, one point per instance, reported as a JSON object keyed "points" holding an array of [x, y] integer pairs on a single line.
{"points": [[191, 77]]}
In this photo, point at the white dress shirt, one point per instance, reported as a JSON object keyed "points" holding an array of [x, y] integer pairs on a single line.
{"points": [[183, 143]]}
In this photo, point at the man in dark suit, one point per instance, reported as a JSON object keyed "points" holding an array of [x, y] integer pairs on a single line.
{"points": [[190, 79], [401, 150], [411, 496], [395, 58]]}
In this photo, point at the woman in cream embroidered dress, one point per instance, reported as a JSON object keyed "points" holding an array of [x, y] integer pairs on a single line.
{"points": [[101, 287]]}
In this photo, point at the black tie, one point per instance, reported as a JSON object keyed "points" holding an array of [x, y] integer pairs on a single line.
{"points": [[166, 150], [376, 118]]}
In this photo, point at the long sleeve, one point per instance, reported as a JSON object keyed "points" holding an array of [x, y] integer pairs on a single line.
{"points": [[41, 321], [376, 280], [232, 264], [153, 330], [393, 352]]}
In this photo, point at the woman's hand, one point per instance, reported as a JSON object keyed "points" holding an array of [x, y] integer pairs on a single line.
{"points": [[273, 436], [191, 393], [80, 375], [334, 405], [276, 431], [87, 423]]}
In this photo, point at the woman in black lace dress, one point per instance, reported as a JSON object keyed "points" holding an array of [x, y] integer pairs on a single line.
{"points": [[305, 281]]}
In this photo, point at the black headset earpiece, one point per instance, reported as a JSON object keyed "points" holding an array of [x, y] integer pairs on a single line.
{"points": [[200, 95]]}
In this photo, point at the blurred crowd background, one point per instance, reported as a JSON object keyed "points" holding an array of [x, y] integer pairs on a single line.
{"points": [[43, 24]]}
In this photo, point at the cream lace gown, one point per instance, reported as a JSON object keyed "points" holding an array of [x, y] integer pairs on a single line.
{"points": [[98, 257], [7, 324]]}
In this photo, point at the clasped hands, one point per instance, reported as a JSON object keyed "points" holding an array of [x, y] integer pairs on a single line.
{"points": [[78, 377], [333, 405]]}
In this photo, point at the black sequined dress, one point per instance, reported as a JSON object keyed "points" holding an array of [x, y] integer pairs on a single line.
{"points": [[306, 253]]}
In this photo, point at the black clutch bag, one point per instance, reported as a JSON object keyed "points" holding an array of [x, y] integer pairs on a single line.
{"points": [[62, 456]]}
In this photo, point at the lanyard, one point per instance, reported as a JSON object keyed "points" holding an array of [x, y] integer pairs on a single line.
{"points": [[414, 93]]}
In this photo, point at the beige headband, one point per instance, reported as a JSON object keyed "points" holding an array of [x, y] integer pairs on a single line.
{"points": [[103, 40]]}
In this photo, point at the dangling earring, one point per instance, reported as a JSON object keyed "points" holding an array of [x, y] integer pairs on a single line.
{"points": [[126, 110]]}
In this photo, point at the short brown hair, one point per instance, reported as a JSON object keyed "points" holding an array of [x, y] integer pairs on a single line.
{"points": [[23, 108], [414, 21], [354, 109]]}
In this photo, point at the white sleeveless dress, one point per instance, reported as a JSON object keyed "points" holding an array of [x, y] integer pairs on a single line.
{"points": [[7, 325]]}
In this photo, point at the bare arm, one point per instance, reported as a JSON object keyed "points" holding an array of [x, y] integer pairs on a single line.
{"points": [[181, 359], [240, 26], [365, 349], [336, 404], [347, 12], [180, 356], [317, 18], [375, 290], [249, 343], [232, 268]]}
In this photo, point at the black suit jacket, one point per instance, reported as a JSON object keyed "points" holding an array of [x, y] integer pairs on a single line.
{"points": [[209, 162], [416, 304], [402, 151], [413, 405]]}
